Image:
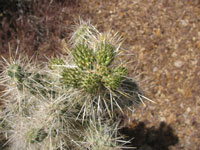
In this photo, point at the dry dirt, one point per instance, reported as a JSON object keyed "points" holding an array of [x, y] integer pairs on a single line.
{"points": [[164, 36]]}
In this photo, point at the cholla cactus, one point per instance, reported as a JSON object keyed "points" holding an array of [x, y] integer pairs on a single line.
{"points": [[103, 136], [34, 116], [49, 106], [82, 34], [21, 77], [92, 76]]}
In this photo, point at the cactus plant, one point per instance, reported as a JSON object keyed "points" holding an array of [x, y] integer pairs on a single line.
{"points": [[103, 136], [93, 78], [50, 106]]}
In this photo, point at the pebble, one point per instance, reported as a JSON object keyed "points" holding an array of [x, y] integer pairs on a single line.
{"points": [[162, 119], [174, 54], [194, 62], [199, 34], [184, 22], [178, 64], [155, 69]]}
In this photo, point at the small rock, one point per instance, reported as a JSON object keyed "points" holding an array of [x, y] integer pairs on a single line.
{"points": [[178, 64], [184, 22], [162, 119], [194, 62], [155, 69], [174, 54], [188, 109]]}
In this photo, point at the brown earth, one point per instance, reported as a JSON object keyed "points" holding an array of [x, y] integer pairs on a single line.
{"points": [[164, 37]]}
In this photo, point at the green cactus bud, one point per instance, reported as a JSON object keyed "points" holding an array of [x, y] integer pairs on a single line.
{"points": [[103, 70], [83, 57], [91, 82], [111, 81], [114, 79], [71, 77], [105, 54]]}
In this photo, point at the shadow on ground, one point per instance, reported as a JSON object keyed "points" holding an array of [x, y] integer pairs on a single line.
{"points": [[144, 138]]}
